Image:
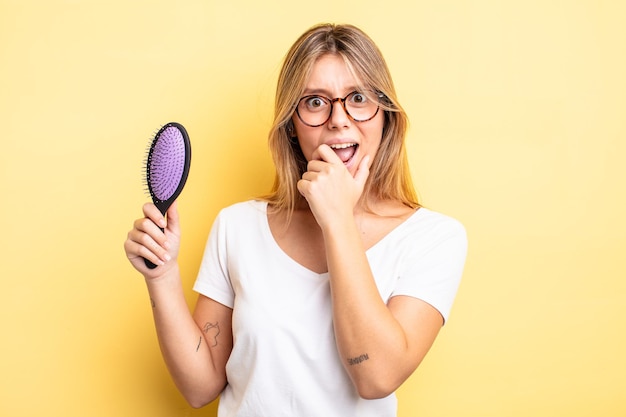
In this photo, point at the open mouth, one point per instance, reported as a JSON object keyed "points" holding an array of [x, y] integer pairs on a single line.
{"points": [[345, 151]]}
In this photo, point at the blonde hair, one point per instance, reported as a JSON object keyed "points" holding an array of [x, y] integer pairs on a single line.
{"points": [[389, 178]]}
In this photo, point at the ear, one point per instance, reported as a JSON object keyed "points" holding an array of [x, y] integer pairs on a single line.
{"points": [[290, 129]]}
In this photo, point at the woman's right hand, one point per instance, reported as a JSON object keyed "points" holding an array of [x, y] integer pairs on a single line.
{"points": [[147, 241]]}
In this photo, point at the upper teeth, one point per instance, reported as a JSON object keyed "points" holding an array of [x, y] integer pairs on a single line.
{"points": [[342, 145]]}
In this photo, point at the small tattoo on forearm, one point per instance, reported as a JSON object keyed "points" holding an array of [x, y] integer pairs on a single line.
{"points": [[199, 343], [214, 328], [358, 360], [152, 303]]}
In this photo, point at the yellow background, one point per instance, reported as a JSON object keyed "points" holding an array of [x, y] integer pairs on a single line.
{"points": [[518, 130]]}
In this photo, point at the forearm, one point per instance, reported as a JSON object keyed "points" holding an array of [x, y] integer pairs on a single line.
{"points": [[182, 342], [371, 342]]}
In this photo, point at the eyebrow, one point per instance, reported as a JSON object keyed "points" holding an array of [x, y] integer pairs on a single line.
{"points": [[324, 92]]}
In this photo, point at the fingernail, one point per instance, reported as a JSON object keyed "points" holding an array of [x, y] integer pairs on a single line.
{"points": [[167, 257]]}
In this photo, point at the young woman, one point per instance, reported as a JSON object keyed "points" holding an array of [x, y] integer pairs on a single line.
{"points": [[323, 297]]}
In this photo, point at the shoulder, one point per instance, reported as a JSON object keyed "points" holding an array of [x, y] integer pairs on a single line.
{"points": [[240, 217], [428, 219], [243, 209], [240, 222], [428, 229]]}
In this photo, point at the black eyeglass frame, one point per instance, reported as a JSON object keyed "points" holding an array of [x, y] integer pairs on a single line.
{"points": [[332, 101]]}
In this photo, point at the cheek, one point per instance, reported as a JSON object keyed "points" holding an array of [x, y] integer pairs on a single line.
{"points": [[306, 145], [308, 141], [307, 151], [374, 138]]}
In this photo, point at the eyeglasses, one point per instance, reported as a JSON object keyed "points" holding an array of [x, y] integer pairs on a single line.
{"points": [[315, 110]]}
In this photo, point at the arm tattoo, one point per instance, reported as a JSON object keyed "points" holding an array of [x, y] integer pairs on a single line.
{"points": [[199, 342], [358, 360], [152, 302], [214, 328]]}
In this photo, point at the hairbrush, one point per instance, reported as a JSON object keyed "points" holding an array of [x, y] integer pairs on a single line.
{"points": [[167, 167]]}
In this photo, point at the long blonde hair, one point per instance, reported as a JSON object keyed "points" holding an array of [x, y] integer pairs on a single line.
{"points": [[389, 178]]}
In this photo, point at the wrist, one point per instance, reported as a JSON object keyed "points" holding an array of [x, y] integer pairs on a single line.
{"points": [[162, 275], [340, 227]]}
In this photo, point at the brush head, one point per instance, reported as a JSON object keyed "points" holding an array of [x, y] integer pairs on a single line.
{"points": [[167, 164]]}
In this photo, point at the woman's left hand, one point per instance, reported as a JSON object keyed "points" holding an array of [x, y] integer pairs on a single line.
{"points": [[330, 189]]}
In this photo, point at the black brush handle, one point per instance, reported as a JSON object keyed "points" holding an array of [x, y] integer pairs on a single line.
{"points": [[149, 264], [162, 206]]}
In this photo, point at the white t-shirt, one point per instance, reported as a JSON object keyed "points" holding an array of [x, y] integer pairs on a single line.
{"points": [[284, 361]]}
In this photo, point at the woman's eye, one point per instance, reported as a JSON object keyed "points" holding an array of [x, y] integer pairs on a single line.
{"points": [[359, 98], [315, 102]]}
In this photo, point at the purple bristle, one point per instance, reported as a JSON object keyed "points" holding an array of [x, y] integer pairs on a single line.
{"points": [[166, 163]]}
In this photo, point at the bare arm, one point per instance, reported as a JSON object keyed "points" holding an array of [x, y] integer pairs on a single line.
{"points": [[195, 349], [194, 354], [380, 345]]}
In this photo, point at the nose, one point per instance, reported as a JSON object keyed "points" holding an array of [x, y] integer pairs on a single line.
{"points": [[338, 115]]}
